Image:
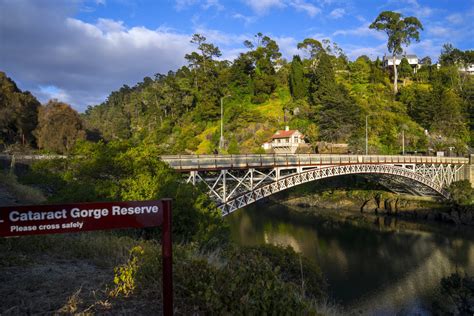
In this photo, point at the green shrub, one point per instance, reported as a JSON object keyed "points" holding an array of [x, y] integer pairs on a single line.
{"points": [[461, 192], [250, 280]]}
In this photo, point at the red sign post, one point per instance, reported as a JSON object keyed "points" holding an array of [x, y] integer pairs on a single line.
{"points": [[80, 217]]}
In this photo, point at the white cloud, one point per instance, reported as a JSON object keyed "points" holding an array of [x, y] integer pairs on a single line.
{"points": [[455, 18], [110, 26], [309, 8], [337, 13], [427, 47], [362, 30], [440, 31], [83, 61], [287, 46], [212, 3], [262, 6], [184, 4], [247, 19]]}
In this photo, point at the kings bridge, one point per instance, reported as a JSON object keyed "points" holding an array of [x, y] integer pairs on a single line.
{"points": [[235, 181]]}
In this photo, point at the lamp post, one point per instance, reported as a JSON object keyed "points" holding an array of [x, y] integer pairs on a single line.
{"points": [[403, 142], [221, 140]]}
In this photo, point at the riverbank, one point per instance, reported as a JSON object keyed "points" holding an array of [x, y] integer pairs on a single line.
{"points": [[386, 204], [119, 272], [374, 264]]}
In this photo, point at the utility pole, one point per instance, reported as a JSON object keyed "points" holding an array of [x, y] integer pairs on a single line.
{"points": [[222, 140]]}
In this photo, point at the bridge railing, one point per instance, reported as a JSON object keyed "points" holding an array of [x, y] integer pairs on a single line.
{"points": [[210, 162]]}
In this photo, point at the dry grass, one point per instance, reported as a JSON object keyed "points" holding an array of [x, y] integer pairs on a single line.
{"points": [[61, 274], [22, 193]]}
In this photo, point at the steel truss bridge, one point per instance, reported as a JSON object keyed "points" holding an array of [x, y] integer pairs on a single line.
{"points": [[235, 181]]}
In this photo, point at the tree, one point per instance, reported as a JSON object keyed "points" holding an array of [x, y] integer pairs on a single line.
{"points": [[297, 82], [461, 192], [312, 48], [448, 120], [18, 113], [360, 70], [405, 70], [59, 127], [400, 31], [451, 55], [336, 113], [264, 53], [426, 61]]}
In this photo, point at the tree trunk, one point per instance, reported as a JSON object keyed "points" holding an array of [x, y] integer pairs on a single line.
{"points": [[395, 75]]}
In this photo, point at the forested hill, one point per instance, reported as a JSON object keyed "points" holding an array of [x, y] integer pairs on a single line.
{"points": [[321, 93]]}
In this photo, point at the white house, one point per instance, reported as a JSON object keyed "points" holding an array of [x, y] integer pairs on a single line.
{"points": [[387, 61], [285, 142], [469, 69]]}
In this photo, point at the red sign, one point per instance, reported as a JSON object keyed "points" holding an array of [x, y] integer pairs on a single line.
{"points": [[70, 218], [79, 217]]}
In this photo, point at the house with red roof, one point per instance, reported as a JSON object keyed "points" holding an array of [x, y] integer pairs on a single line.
{"points": [[285, 141]]}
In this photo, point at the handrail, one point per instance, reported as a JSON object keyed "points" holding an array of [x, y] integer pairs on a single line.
{"points": [[192, 162]]}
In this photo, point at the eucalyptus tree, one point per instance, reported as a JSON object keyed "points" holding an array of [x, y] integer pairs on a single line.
{"points": [[400, 31], [264, 55]]}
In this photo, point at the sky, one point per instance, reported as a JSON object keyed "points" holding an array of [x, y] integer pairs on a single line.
{"points": [[79, 51]]}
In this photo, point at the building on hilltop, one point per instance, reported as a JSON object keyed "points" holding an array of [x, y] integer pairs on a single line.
{"points": [[286, 142], [468, 69], [387, 61]]}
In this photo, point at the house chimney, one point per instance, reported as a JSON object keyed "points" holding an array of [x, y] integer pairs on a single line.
{"points": [[287, 128]]}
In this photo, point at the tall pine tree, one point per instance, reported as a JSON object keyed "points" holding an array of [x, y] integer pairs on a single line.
{"points": [[297, 81], [337, 114]]}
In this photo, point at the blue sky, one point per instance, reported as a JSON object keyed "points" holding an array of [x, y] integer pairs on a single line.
{"points": [[78, 51]]}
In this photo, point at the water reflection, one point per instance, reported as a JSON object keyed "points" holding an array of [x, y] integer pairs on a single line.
{"points": [[371, 269]]}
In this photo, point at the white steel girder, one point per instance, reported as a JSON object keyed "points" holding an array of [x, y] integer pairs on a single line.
{"points": [[234, 189]]}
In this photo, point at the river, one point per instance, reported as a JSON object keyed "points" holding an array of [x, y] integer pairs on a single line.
{"points": [[378, 265]]}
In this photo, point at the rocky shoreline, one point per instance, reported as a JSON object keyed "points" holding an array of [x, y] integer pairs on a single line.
{"points": [[392, 205]]}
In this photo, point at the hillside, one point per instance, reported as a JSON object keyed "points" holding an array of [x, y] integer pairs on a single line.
{"points": [[180, 111], [323, 94]]}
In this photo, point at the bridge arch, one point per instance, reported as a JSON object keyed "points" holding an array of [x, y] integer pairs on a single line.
{"points": [[283, 183]]}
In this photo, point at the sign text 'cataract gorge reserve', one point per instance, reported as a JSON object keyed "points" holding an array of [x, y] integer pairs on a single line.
{"points": [[51, 219]]}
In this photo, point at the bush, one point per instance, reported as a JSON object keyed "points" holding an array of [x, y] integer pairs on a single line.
{"points": [[456, 296], [250, 280], [119, 172], [461, 192]]}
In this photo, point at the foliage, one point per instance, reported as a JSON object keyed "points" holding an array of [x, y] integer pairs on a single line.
{"points": [[59, 127], [18, 113], [400, 31], [456, 296], [323, 95], [461, 192], [118, 171], [361, 70], [250, 280], [125, 275], [405, 69], [297, 80], [337, 114]]}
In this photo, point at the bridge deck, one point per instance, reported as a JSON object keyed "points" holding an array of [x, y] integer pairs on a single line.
{"points": [[217, 162]]}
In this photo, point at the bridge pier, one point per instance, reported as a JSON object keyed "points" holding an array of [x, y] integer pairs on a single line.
{"points": [[469, 175]]}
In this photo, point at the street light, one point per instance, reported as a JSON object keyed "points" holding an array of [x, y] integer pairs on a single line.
{"points": [[404, 128], [221, 140]]}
